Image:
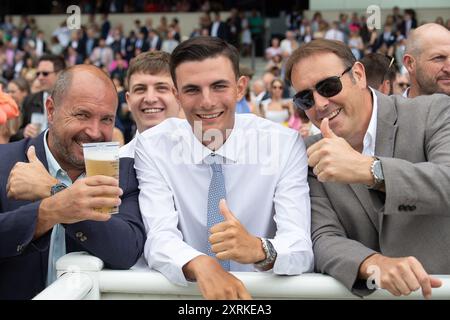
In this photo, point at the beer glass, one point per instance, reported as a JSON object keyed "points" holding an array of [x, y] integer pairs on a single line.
{"points": [[102, 158], [37, 119]]}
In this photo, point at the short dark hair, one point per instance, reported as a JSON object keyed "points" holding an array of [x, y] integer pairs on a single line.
{"points": [[201, 48], [320, 46], [57, 61], [379, 67], [150, 62]]}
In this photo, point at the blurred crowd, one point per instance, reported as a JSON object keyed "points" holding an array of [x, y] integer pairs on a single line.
{"points": [[111, 48]]}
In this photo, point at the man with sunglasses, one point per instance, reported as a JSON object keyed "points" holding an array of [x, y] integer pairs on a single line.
{"points": [[48, 69], [379, 175], [427, 59]]}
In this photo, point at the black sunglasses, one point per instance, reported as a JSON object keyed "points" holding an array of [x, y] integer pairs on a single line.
{"points": [[44, 73], [328, 87]]}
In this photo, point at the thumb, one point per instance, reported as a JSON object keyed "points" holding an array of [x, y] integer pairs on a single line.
{"points": [[227, 214], [435, 283], [326, 130], [31, 154]]}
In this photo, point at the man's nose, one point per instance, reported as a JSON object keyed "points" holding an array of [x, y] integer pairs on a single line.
{"points": [[207, 99], [320, 102], [93, 131]]}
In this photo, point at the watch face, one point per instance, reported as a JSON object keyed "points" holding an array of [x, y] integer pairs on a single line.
{"points": [[57, 188], [378, 171]]}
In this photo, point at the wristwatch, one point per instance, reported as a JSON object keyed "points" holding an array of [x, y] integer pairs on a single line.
{"points": [[57, 188], [271, 255], [377, 173]]}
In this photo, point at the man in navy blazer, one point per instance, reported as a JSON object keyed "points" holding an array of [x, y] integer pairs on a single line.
{"points": [[80, 110]]}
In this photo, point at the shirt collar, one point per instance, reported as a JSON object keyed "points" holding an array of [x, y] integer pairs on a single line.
{"points": [[53, 166], [370, 136], [406, 92], [229, 151]]}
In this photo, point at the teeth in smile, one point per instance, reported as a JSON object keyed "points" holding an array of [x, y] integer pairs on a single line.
{"points": [[333, 114], [209, 116], [152, 110]]}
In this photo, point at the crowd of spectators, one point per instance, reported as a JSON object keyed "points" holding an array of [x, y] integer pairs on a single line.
{"points": [[111, 48]]}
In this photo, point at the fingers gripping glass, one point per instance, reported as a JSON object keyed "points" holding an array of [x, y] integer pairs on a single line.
{"points": [[328, 87]]}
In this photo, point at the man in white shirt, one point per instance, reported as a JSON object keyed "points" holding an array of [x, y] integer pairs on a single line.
{"points": [[150, 95], [427, 59], [184, 168]]}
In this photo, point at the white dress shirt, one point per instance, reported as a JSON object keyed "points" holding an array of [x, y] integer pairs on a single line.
{"points": [[265, 171], [371, 134], [127, 151]]}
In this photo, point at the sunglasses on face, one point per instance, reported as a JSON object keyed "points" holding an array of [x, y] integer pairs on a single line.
{"points": [[327, 88], [275, 87], [44, 73], [403, 84]]}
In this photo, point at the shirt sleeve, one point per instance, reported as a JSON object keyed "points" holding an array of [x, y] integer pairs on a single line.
{"points": [[293, 215], [164, 248]]}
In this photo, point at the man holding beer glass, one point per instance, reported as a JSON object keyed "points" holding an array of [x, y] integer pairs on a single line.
{"points": [[43, 187]]}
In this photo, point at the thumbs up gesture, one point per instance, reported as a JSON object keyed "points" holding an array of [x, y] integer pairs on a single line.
{"points": [[29, 180], [231, 241], [333, 159]]}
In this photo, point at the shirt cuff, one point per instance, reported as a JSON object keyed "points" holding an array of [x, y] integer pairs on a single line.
{"points": [[292, 261], [172, 266]]}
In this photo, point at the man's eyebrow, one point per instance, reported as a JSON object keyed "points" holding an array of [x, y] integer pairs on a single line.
{"points": [[162, 83], [223, 81], [138, 85]]}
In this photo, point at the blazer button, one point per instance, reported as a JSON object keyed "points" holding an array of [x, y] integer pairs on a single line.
{"points": [[19, 248], [79, 234]]}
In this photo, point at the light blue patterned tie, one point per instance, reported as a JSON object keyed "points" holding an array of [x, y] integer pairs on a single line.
{"points": [[216, 192], [57, 250]]}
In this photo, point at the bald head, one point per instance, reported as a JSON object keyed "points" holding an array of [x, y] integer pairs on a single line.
{"points": [[80, 75], [427, 59], [258, 86], [425, 36]]}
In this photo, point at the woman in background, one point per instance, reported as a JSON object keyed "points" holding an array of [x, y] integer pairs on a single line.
{"points": [[276, 108]]}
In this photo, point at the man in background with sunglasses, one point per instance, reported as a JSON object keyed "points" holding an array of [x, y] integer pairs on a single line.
{"points": [[379, 175], [427, 59], [48, 69]]}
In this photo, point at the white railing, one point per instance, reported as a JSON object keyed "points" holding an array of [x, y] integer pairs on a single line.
{"points": [[82, 276]]}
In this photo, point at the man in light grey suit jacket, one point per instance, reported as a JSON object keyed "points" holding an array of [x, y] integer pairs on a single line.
{"points": [[379, 175]]}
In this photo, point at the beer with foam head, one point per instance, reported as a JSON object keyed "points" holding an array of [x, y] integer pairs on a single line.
{"points": [[102, 159]]}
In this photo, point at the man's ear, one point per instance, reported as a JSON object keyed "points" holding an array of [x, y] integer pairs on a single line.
{"points": [[50, 106], [409, 62], [359, 75], [175, 93], [127, 97], [242, 84]]}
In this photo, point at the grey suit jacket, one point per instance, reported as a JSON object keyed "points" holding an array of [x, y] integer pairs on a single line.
{"points": [[351, 222]]}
